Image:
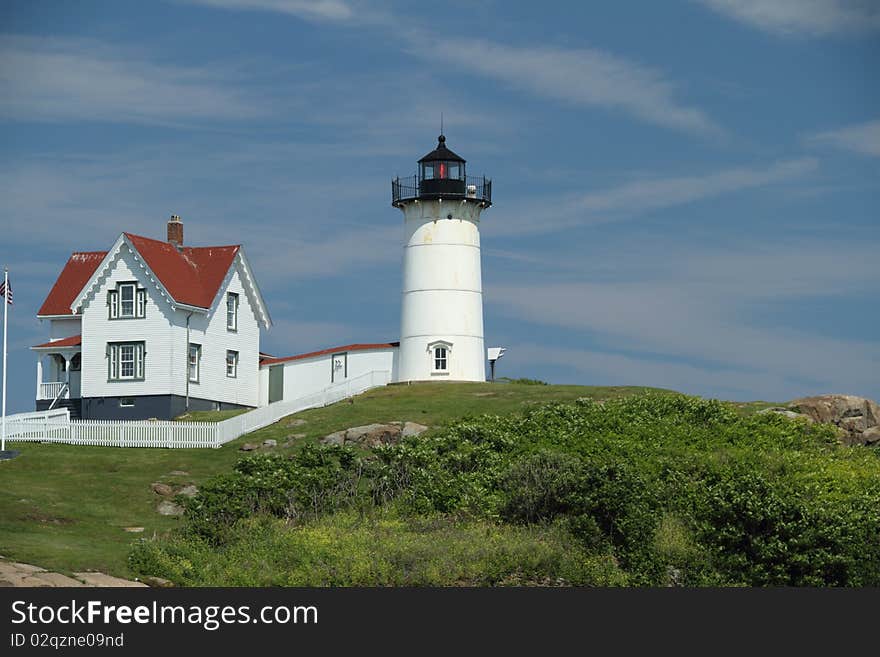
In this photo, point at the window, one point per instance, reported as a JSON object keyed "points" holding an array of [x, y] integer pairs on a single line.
{"points": [[126, 402], [195, 357], [127, 301], [125, 361], [440, 359], [232, 311], [231, 363]]}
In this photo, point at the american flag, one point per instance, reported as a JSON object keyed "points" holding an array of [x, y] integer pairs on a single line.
{"points": [[3, 291]]}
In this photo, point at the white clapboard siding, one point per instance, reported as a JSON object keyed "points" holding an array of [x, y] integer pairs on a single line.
{"points": [[57, 427]]}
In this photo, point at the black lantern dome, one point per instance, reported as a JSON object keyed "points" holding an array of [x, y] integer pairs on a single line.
{"points": [[441, 175]]}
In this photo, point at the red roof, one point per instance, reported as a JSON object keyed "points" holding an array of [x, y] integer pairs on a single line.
{"points": [[73, 277], [324, 352], [192, 275], [72, 341]]}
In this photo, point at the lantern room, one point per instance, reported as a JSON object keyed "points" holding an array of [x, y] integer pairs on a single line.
{"points": [[441, 171], [441, 174]]}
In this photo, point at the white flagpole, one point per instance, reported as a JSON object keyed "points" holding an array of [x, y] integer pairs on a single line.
{"points": [[5, 313]]}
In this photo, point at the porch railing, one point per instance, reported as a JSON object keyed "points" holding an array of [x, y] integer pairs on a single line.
{"points": [[50, 390]]}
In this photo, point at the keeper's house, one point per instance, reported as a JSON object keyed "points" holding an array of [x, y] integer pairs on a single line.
{"points": [[151, 328]]}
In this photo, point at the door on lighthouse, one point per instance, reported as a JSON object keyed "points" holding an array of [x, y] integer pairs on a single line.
{"points": [[276, 383]]}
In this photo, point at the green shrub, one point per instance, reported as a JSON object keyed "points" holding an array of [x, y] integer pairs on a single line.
{"points": [[669, 489]]}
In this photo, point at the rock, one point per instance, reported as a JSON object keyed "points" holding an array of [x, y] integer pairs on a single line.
{"points": [[178, 473], [188, 491], [157, 582], [786, 412], [167, 508], [133, 530], [854, 416], [871, 436], [104, 580], [298, 422], [412, 429], [161, 489], [368, 435], [247, 447], [335, 438], [296, 436], [270, 442]]}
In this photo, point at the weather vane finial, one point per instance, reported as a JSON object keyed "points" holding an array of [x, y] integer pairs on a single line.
{"points": [[441, 123]]}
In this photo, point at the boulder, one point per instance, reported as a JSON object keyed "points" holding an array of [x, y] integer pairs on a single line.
{"points": [[335, 438], [368, 435], [783, 411], [188, 491], [413, 429], [856, 417], [157, 582], [247, 447], [161, 489], [871, 436], [270, 442], [167, 508]]}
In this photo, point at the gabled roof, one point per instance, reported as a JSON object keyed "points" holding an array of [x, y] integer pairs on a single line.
{"points": [[189, 276], [192, 275], [349, 347], [72, 341], [76, 273]]}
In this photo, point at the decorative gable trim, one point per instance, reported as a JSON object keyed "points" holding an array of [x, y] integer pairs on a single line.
{"points": [[251, 287], [103, 271]]}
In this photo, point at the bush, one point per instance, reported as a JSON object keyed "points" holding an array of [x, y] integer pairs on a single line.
{"points": [[669, 489]]}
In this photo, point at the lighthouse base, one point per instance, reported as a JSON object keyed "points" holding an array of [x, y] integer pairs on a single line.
{"points": [[442, 358]]}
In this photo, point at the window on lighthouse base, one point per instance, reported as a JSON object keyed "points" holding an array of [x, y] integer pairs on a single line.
{"points": [[439, 353]]}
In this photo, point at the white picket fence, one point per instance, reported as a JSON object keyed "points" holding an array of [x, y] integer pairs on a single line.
{"points": [[56, 426]]}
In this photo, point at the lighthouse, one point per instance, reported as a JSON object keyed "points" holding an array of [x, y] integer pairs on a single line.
{"points": [[441, 314]]}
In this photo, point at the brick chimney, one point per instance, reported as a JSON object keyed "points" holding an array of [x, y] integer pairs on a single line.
{"points": [[175, 231]]}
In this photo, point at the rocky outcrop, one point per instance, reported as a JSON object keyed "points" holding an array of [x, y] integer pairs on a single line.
{"points": [[161, 489], [371, 435], [857, 418], [168, 508]]}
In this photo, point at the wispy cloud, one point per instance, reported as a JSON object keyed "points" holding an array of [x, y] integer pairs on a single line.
{"points": [[585, 77], [53, 79], [814, 17], [329, 10], [645, 195], [685, 308], [860, 138]]}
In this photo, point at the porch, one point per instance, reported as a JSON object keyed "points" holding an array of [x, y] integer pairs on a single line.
{"points": [[59, 365]]}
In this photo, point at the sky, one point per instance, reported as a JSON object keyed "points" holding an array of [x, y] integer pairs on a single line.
{"points": [[685, 193]]}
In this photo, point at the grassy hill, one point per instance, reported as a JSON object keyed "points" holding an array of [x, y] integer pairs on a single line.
{"points": [[67, 507], [514, 484]]}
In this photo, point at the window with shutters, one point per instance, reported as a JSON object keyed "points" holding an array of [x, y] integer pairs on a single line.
{"points": [[127, 301], [125, 361]]}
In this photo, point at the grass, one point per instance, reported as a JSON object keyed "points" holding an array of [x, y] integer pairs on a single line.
{"points": [[65, 507]]}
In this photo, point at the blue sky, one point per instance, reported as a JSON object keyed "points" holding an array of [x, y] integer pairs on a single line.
{"points": [[686, 193]]}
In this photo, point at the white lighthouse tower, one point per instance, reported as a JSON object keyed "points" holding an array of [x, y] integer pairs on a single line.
{"points": [[441, 319]]}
